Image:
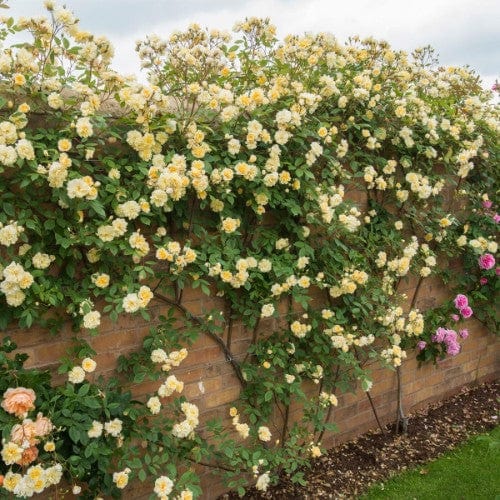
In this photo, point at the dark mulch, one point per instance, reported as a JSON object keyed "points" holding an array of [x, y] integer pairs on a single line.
{"points": [[348, 470]]}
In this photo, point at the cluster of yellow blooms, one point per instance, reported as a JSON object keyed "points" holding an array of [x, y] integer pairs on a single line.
{"points": [[9, 233], [77, 374], [412, 325], [82, 187], [299, 329], [328, 201], [344, 340], [242, 429], [263, 432], [349, 283], [241, 274], [165, 390], [132, 302], [171, 384], [15, 280], [167, 361], [400, 266], [178, 257], [393, 355], [327, 399], [481, 245], [186, 427], [35, 480]]}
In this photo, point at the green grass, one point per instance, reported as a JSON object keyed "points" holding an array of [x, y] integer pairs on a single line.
{"points": [[471, 471]]}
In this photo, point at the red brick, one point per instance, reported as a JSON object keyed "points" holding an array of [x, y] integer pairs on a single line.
{"points": [[224, 396], [206, 364]]}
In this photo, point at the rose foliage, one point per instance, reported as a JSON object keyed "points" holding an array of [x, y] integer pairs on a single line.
{"points": [[300, 183]]}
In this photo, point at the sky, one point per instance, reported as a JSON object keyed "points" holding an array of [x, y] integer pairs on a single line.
{"points": [[463, 32]]}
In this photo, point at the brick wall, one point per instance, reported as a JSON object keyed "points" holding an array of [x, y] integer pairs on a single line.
{"points": [[211, 384]]}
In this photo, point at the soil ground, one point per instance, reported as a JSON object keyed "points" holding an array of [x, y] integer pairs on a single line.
{"points": [[349, 469]]}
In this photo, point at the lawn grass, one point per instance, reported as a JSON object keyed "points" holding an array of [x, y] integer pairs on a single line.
{"points": [[471, 471]]}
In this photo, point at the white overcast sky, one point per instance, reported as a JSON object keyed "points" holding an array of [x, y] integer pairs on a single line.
{"points": [[463, 32]]}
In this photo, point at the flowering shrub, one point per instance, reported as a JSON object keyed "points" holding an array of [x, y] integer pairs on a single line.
{"points": [[235, 170]]}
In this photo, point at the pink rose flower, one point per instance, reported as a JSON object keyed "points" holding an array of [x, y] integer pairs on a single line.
{"points": [[464, 333], [461, 301], [487, 203], [439, 335], [453, 348], [455, 317], [486, 261], [450, 336], [18, 401], [466, 312], [483, 281], [421, 344], [496, 218]]}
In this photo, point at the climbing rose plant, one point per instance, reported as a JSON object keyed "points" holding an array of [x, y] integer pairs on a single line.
{"points": [[298, 182]]}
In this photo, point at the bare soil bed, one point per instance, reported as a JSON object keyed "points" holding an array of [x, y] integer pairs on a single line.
{"points": [[349, 469]]}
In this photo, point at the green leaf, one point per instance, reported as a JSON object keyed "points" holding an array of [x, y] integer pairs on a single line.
{"points": [[74, 434]]}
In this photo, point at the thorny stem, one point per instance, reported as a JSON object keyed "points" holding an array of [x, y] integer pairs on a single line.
{"points": [[191, 217], [179, 295], [368, 395], [397, 285], [254, 337], [211, 466], [278, 406], [49, 48], [248, 236], [329, 298], [320, 390], [374, 410], [157, 286], [229, 327], [329, 411], [229, 356], [284, 430], [454, 195], [400, 209], [415, 293], [401, 420], [290, 310], [483, 322]]}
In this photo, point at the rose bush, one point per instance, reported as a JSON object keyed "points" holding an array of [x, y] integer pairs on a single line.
{"points": [[301, 182]]}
